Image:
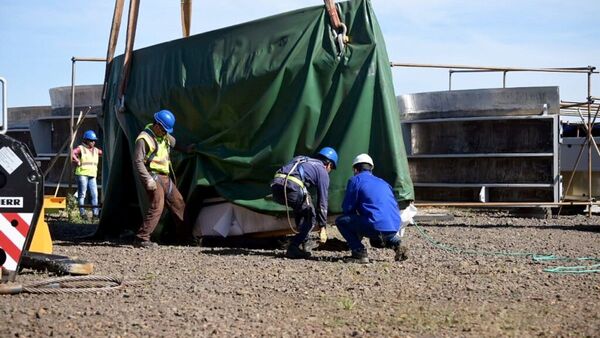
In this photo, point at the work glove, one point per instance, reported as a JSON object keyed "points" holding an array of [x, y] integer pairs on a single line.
{"points": [[323, 236], [151, 185]]}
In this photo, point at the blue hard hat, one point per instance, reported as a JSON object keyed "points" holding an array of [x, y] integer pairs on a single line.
{"points": [[330, 154], [166, 119], [90, 135]]}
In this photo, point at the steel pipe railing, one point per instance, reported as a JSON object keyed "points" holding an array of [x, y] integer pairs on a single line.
{"points": [[574, 70]]}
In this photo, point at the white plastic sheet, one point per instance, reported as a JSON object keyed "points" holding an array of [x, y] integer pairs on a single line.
{"points": [[227, 219]]}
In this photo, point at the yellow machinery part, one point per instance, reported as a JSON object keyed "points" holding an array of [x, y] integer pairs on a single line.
{"points": [[53, 202], [42, 241], [39, 256]]}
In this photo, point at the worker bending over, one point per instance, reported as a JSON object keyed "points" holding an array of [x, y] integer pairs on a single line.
{"points": [[86, 157], [152, 164], [290, 188], [369, 210]]}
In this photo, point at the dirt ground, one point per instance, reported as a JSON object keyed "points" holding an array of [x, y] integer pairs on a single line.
{"points": [[249, 292]]}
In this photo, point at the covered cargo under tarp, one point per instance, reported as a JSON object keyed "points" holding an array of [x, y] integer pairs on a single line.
{"points": [[250, 97]]}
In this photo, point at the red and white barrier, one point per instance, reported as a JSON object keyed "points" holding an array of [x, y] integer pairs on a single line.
{"points": [[14, 228]]}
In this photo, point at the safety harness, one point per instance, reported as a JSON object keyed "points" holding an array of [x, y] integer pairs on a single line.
{"points": [[153, 153], [300, 182], [286, 177]]}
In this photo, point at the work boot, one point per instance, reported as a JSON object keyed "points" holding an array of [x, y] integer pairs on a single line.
{"points": [[139, 243], [358, 256], [191, 241], [401, 253], [294, 252], [309, 245]]}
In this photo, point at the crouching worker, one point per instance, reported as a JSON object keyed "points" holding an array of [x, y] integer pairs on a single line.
{"points": [[290, 188], [369, 210], [152, 164]]}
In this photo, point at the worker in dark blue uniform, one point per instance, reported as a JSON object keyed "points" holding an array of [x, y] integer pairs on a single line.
{"points": [[290, 188], [369, 210]]}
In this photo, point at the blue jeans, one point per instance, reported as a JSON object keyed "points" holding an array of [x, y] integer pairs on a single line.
{"points": [[85, 183], [353, 229]]}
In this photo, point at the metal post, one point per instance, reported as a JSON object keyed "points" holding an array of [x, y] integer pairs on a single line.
{"points": [[72, 122], [71, 136], [4, 124], [450, 71], [590, 139], [504, 78]]}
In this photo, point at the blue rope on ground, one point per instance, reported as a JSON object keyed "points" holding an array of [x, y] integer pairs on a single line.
{"points": [[579, 269]]}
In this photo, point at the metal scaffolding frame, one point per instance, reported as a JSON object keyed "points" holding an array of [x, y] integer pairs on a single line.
{"points": [[73, 128], [591, 119]]}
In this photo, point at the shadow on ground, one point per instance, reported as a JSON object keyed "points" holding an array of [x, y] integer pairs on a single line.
{"points": [[76, 234]]}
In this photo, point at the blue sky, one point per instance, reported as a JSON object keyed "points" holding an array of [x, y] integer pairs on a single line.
{"points": [[39, 37]]}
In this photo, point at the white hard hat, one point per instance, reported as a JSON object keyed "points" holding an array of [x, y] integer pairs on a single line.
{"points": [[363, 158]]}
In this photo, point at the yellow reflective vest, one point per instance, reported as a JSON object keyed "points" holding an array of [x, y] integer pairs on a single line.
{"points": [[156, 160], [89, 162]]}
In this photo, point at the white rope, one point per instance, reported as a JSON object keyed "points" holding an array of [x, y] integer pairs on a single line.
{"points": [[287, 208]]}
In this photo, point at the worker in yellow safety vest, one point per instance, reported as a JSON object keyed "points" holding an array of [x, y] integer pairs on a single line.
{"points": [[86, 157], [152, 165]]}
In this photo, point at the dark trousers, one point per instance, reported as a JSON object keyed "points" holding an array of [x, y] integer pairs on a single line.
{"points": [[304, 212], [166, 193], [353, 229]]}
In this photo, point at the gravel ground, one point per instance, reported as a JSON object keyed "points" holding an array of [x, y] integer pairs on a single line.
{"points": [[247, 292]]}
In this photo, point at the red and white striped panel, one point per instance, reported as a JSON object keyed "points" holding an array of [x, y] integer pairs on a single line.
{"points": [[12, 237]]}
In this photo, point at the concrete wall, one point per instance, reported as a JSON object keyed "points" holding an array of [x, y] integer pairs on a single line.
{"points": [[22, 115], [91, 95], [60, 97]]}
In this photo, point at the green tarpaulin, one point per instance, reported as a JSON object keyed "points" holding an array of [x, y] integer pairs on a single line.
{"points": [[250, 97]]}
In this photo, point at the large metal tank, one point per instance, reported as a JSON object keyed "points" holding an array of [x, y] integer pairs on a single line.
{"points": [[85, 95], [483, 145]]}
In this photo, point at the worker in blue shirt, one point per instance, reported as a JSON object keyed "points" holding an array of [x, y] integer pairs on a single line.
{"points": [[369, 210], [290, 188]]}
